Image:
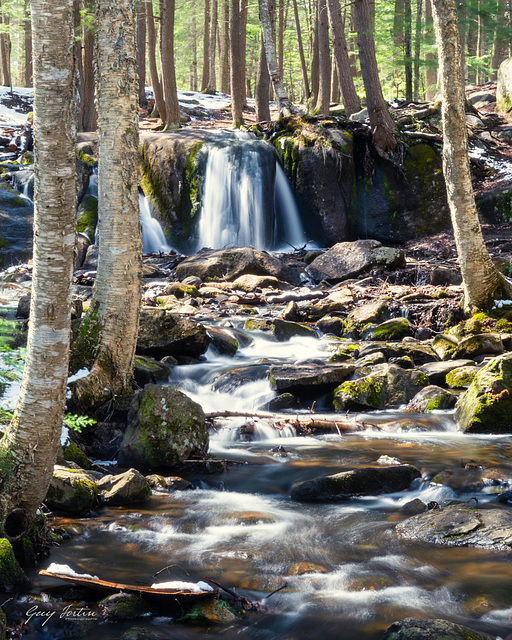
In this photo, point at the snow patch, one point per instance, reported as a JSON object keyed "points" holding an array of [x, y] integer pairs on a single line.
{"points": [[195, 587], [66, 570]]}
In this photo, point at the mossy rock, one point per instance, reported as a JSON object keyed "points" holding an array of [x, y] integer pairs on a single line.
{"points": [[393, 329], [486, 407], [3, 625], [73, 454], [122, 606], [211, 610], [223, 342], [167, 428], [479, 344], [422, 629], [87, 216], [431, 398], [162, 333], [461, 377], [148, 370], [71, 491], [126, 488], [141, 633], [445, 346], [11, 574], [282, 330]]}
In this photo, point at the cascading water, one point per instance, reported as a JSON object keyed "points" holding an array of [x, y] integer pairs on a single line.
{"points": [[153, 238], [245, 201]]}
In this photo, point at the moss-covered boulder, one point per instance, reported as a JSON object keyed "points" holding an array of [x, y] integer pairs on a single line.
{"points": [[162, 333], [123, 606], [393, 329], [486, 407], [504, 88], [445, 346], [72, 491], [87, 216], [125, 488], [350, 259], [211, 610], [431, 398], [167, 427], [423, 629], [438, 372], [3, 624], [420, 353], [391, 386], [478, 345], [282, 330], [148, 370], [72, 453], [11, 574], [331, 324], [461, 377], [358, 482]]}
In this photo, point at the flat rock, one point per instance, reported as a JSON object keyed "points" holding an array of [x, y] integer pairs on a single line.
{"points": [[294, 377], [436, 371], [420, 629]]}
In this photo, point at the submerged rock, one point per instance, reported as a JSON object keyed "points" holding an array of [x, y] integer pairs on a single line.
{"points": [[358, 482], [167, 428], [459, 526], [419, 629]]}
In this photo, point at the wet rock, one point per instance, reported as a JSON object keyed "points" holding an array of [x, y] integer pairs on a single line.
{"points": [[11, 574], [389, 387], [441, 277], [181, 290], [23, 310], [505, 497], [477, 345], [393, 329], [332, 325], [16, 220], [300, 376], [486, 407], [420, 353], [504, 88], [125, 488], [405, 362], [230, 264], [300, 568], [369, 313], [461, 377], [141, 633], [211, 610], [460, 525], [358, 482], [90, 262], [149, 371], [335, 301], [230, 380], [121, 607], [282, 402], [468, 479], [162, 333], [370, 359], [420, 629], [431, 398], [166, 427], [445, 346], [249, 282], [222, 341], [351, 259], [82, 243], [413, 507], [281, 329], [71, 490], [169, 483], [437, 371], [87, 217]]}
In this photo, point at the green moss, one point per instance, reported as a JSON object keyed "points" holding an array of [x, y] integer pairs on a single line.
{"points": [[87, 216], [11, 574], [364, 391], [460, 377], [73, 454], [85, 341]]}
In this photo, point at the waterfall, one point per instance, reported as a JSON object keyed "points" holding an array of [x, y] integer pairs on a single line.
{"points": [[23, 181], [153, 238], [246, 198]]}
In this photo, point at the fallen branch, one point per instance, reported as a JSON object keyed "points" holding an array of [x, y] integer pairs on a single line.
{"points": [[302, 422]]}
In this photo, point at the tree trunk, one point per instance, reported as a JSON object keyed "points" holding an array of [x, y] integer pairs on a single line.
{"points": [[153, 71], [262, 87], [408, 49], [380, 119], [172, 106], [141, 50], [212, 81], [193, 71], [224, 48], [479, 275], [324, 59], [499, 45], [417, 50], [348, 91], [109, 330], [5, 50], [304, 69], [315, 63], [430, 58], [206, 45], [27, 28], [472, 48], [29, 447], [461, 22], [237, 89], [284, 105], [88, 118], [244, 8], [280, 35]]}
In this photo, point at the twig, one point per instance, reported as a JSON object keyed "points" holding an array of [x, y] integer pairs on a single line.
{"points": [[218, 584], [170, 566], [277, 590]]}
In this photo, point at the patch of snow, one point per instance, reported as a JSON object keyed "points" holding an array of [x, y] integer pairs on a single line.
{"points": [[64, 435], [66, 570], [498, 304], [195, 587], [8, 115], [79, 374]]}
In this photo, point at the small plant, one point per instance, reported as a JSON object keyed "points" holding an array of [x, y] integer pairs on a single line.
{"points": [[78, 423]]}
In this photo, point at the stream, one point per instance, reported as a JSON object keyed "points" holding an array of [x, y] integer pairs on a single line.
{"points": [[347, 575]]}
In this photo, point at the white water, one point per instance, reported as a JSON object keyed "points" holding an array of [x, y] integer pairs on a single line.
{"points": [[240, 205], [153, 238]]}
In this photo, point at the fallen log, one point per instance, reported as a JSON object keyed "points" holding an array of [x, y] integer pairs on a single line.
{"points": [[301, 422]]}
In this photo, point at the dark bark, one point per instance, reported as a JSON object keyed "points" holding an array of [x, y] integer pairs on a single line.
{"points": [[141, 50], [237, 82], [172, 107], [262, 87], [408, 49], [224, 47], [417, 50], [324, 60], [206, 45], [159, 109], [27, 28], [305, 80], [212, 81]]}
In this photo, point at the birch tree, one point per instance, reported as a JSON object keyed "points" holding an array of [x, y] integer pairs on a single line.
{"points": [[29, 447]]}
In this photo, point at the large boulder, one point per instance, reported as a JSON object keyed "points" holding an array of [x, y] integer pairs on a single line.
{"points": [[431, 398], [162, 333], [167, 427], [71, 490], [230, 264], [504, 88], [486, 407], [388, 387], [420, 629], [124, 488], [11, 574], [459, 525], [368, 481], [351, 259], [437, 371]]}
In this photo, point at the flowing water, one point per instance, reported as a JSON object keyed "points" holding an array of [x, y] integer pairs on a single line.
{"points": [[347, 576]]}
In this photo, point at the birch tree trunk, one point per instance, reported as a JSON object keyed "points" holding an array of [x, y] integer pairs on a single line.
{"points": [[29, 447], [153, 70], [479, 275], [27, 30], [172, 106], [109, 330]]}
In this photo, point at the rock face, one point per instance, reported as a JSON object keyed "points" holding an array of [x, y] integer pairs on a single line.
{"points": [[358, 482], [459, 526], [167, 427], [486, 407], [504, 88], [162, 333], [11, 574], [389, 387], [351, 259], [419, 629], [230, 264]]}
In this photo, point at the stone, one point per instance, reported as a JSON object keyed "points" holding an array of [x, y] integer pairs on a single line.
{"points": [[389, 387], [141, 633], [250, 282], [445, 346], [350, 259], [460, 525], [413, 507], [230, 264], [148, 370], [461, 377], [479, 344], [282, 330], [169, 483], [120, 607], [442, 277], [368, 313], [437, 371], [165, 428], [125, 488], [87, 217], [11, 574], [331, 324], [504, 88], [298, 377], [420, 353], [282, 402], [162, 333], [421, 629], [222, 341], [234, 378], [72, 491], [431, 398], [393, 329], [82, 244], [486, 407], [336, 301], [211, 610], [16, 220], [367, 481]]}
